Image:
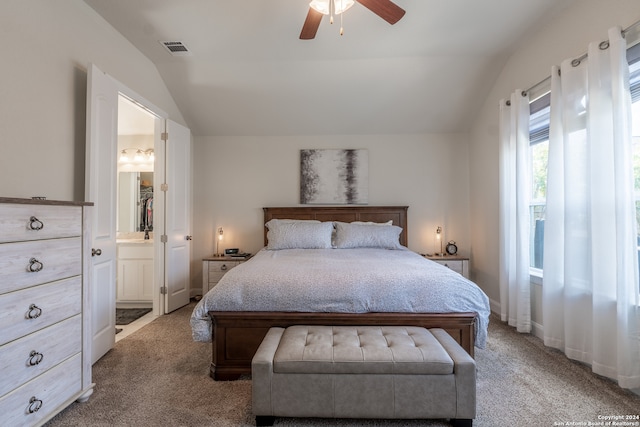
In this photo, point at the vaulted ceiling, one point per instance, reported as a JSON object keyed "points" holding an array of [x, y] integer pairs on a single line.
{"points": [[248, 73]]}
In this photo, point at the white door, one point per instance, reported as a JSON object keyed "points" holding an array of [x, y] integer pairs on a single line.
{"points": [[100, 188], [177, 216]]}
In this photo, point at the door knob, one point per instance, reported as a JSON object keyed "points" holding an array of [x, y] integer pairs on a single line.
{"points": [[188, 237], [96, 252]]}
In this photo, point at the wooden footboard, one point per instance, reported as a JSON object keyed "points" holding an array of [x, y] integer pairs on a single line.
{"points": [[237, 334]]}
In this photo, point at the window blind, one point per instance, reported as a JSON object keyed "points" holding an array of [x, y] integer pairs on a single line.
{"points": [[541, 107]]}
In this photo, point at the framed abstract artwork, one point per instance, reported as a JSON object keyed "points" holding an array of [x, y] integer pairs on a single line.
{"points": [[329, 176]]}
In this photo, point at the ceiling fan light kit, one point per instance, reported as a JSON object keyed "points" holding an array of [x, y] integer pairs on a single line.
{"points": [[385, 9], [326, 7]]}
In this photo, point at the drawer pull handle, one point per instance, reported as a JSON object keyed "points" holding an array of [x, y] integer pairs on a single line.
{"points": [[34, 405], [224, 267], [35, 358], [35, 224], [34, 312], [34, 265]]}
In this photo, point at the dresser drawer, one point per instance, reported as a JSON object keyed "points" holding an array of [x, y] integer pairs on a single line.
{"points": [[46, 304], [20, 222], [221, 266], [48, 392], [27, 357], [27, 264]]}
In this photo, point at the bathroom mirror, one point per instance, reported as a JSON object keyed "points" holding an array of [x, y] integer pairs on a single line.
{"points": [[135, 201]]}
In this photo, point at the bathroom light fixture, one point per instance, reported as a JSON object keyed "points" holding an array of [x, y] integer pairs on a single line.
{"points": [[141, 156], [123, 157]]}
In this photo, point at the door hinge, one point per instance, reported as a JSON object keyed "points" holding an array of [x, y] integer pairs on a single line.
{"points": [[164, 187], [164, 238], [164, 136], [163, 290]]}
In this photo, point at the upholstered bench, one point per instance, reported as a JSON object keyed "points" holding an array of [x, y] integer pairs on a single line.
{"points": [[393, 372]]}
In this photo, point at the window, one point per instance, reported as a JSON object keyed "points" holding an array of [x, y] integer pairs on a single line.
{"points": [[539, 146], [539, 150], [634, 70]]}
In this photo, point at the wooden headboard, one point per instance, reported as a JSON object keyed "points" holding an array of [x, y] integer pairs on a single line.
{"points": [[398, 214]]}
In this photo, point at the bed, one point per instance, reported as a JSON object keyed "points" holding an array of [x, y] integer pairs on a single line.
{"points": [[273, 288]]}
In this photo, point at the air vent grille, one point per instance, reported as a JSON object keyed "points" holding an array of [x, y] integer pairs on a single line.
{"points": [[175, 48]]}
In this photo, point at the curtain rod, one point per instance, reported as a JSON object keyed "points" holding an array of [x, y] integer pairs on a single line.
{"points": [[583, 56]]}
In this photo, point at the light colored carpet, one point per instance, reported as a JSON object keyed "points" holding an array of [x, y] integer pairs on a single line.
{"points": [[159, 377]]}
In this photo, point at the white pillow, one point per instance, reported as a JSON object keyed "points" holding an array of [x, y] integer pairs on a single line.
{"points": [[333, 237], [350, 235], [286, 220], [390, 222], [288, 234]]}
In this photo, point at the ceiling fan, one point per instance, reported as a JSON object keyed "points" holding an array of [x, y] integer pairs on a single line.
{"points": [[385, 9]]}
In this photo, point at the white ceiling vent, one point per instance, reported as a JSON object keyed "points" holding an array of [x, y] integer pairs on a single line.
{"points": [[175, 48]]}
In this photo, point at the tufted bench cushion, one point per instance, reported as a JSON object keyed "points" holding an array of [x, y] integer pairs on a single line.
{"points": [[360, 350], [397, 372]]}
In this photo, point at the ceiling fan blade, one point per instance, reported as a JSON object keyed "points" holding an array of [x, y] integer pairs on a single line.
{"points": [[385, 9], [311, 24]]}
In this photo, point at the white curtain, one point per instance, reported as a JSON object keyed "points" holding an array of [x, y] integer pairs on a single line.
{"points": [[590, 287], [515, 306]]}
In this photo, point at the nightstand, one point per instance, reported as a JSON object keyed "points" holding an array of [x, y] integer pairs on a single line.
{"points": [[215, 267], [457, 263]]}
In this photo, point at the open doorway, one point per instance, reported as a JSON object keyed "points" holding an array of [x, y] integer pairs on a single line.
{"points": [[171, 206], [135, 217]]}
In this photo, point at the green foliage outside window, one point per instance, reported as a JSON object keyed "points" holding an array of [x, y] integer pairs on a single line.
{"points": [[539, 163]]}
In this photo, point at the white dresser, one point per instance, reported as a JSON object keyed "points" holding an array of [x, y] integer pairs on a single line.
{"points": [[45, 324]]}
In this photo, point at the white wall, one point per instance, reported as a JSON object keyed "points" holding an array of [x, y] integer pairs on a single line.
{"points": [[566, 35], [43, 92], [444, 179], [235, 177], [42, 143]]}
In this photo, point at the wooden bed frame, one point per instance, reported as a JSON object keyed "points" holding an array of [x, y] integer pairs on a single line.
{"points": [[237, 334]]}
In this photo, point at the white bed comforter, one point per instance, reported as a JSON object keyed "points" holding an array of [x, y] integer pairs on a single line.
{"points": [[343, 281]]}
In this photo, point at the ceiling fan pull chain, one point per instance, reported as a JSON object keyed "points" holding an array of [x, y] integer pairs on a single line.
{"points": [[331, 9], [341, 15]]}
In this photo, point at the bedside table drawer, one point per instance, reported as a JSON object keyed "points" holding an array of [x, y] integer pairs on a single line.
{"points": [[221, 266], [455, 265], [214, 268], [214, 277], [458, 264]]}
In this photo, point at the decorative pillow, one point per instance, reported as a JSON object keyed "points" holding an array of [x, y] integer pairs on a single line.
{"points": [[351, 235], [288, 234]]}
